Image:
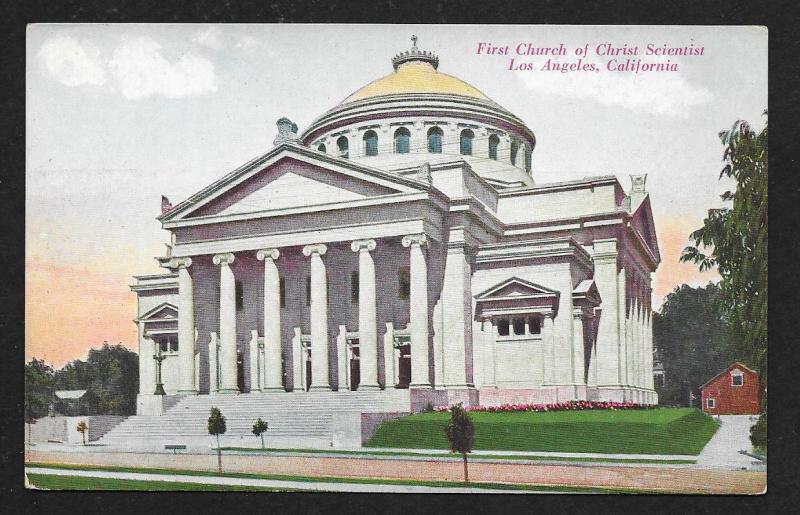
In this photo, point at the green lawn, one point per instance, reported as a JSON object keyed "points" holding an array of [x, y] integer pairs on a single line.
{"points": [[653, 431], [51, 482]]}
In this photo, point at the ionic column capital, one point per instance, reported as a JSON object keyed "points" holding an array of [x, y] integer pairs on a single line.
{"points": [[414, 239], [318, 248], [223, 259], [179, 262], [365, 245], [265, 254]]}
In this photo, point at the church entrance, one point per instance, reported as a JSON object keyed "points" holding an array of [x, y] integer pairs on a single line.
{"points": [[355, 366], [404, 366], [240, 371], [308, 369]]}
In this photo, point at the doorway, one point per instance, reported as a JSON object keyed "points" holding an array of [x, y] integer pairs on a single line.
{"points": [[355, 365], [239, 372], [308, 369], [404, 366]]}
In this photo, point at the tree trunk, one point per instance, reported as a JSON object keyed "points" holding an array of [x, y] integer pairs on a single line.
{"points": [[466, 471], [262, 440], [83, 434], [219, 456]]}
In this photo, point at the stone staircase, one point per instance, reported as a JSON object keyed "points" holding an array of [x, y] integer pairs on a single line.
{"points": [[296, 419]]}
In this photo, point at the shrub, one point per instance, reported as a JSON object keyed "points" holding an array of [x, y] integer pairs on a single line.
{"points": [[554, 406], [758, 433]]}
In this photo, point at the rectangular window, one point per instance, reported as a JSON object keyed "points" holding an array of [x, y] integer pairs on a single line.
{"points": [[239, 296], [282, 289], [354, 287], [737, 380], [711, 403], [173, 343], [535, 325], [503, 327], [519, 326], [404, 286], [164, 343], [658, 379], [308, 290]]}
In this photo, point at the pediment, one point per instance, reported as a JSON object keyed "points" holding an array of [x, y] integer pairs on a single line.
{"points": [[586, 292], [290, 176], [164, 312], [515, 288], [642, 222]]}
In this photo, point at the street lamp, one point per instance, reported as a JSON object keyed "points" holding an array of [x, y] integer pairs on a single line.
{"points": [[158, 357]]}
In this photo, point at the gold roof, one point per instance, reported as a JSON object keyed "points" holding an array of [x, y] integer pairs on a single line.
{"points": [[416, 77]]}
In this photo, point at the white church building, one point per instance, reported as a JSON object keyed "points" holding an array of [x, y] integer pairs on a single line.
{"points": [[400, 248]]}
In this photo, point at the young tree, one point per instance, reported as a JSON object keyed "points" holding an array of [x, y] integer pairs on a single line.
{"points": [[460, 433], [734, 240], [216, 427], [82, 428], [259, 428]]}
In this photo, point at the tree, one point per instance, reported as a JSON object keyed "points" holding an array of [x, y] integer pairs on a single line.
{"points": [[259, 428], [460, 433], [692, 339], [82, 428], [38, 388], [734, 240], [216, 427]]}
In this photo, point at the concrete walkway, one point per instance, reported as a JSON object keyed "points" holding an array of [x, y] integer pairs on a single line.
{"points": [[271, 483], [733, 435]]}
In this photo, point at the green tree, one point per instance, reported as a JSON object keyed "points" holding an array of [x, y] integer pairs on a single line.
{"points": [[259, 428], [216, 427], [734, 240], [691, 337], [82, 428], [38, 388], [460, 433]]}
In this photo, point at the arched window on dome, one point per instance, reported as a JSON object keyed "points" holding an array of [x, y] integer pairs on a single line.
{"points": [[435, 137], [528, 159], [466, 142], [494, 142], [514, 150], [402, 141], [321, 147], [370, 143], [343, 146]]}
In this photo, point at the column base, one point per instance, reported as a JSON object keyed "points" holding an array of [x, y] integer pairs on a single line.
{"points": [[269, 389], [187, 392], [228, 391], [369, 387], [426, 386], [320, 388]]}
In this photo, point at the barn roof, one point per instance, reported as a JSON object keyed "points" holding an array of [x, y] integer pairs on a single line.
{"points": [[735, 364]]}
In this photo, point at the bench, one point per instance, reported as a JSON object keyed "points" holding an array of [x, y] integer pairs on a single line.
{"points": [[175, 448]]}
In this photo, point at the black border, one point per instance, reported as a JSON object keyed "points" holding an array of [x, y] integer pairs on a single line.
{"points": [[783, 94]]}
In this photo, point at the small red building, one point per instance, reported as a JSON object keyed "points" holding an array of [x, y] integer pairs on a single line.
{"points": [[736, 391]]}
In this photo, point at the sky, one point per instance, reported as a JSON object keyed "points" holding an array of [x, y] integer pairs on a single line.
{"points": [[117, 115]]}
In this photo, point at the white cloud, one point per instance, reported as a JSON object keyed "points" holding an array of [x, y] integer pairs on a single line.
{"points": [[211, 38], [141, 71], [247, 43], [72, 63], [664, 93]]}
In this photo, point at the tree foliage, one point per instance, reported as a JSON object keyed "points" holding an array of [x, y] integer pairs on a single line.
{"points": [[38, 389], [216, 427], [692, 340], [460, 433], [734, 240], [82, 428], [259, 428]]}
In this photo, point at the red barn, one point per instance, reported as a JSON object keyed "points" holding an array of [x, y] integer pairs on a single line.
{"points": [[736, 391]]}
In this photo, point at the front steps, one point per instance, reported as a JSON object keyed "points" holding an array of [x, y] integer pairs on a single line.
{"points": [[298, 419]]}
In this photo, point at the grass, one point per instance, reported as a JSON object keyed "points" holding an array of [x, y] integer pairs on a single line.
{"points": [[472, 457], [653, 431], [164, 485], [53, 482]]}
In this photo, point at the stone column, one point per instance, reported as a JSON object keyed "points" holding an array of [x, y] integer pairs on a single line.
{"points": [[418, 305], [367, 315], [227, 324], [273, 371], [609, 331], [319, 317], [389, 376], [457, 316], [213, 366], [549, 352], [577, 348], [186, 338]]}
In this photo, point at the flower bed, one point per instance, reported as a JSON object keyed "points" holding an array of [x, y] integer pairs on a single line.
{"points": [[554, 406]]}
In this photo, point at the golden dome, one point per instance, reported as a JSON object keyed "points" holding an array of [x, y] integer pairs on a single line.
{"points": [[416, 76]]}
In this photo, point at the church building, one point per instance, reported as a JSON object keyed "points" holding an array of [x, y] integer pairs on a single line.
{"points": [[400, 245]]}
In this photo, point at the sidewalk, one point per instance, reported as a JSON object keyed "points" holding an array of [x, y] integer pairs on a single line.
{"points": [[733, 435]]}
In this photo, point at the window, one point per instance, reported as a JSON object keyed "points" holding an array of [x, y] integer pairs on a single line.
{"points": [[494, 141], [168, 343], [503, 327], [534, 325], [239, 296], [658, 380], [282, 290], [529, 158], [354, 287], [711, 403], [737, 379], [321, 147], [308, 290], [435, 136], [343, 146], [402, 141], [514, 151], [466, 142], [519, 326], [370, 143], [404, 283]]}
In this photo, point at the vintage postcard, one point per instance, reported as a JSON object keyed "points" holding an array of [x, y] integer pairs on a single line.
{"points": [[396, 258]]}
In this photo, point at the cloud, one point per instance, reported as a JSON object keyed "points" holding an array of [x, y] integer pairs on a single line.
{"points": [[247, 43], [211, 38], [663, 93], [72, 63], [141, 71]]}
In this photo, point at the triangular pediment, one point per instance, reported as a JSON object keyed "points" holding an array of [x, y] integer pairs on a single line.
{"points": [[515, 287], [642, 222], [290, 176], [164, 312]]}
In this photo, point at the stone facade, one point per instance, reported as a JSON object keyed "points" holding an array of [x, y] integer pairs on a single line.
{"points": [[400, 242]]}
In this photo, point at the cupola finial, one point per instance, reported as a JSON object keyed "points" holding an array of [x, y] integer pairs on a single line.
{"points": [[415, 54]]}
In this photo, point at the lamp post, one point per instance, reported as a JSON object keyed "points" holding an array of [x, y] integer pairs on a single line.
{"points": [[159, 358]]}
